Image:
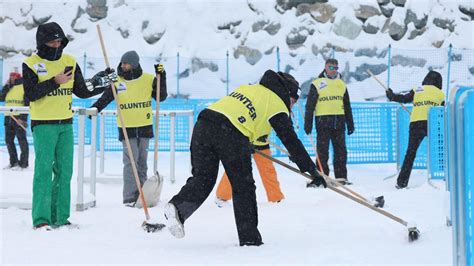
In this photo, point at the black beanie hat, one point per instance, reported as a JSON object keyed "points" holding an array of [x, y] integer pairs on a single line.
{"points": [[291, 84], [433, 78], [132, 58], [48, 32]]}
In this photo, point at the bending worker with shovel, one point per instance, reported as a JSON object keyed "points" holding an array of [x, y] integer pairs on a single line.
{"points": [[222, 133], [135, 90]]}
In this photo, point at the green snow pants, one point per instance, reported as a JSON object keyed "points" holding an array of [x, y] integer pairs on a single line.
{"points": [[54, 152]]}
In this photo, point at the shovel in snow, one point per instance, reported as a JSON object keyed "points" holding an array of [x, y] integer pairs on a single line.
{"points": [[413, 232], [147, 226], [153, 185]]}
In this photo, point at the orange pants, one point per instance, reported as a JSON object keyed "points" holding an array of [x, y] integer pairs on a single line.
{"points": [[267, 173]]}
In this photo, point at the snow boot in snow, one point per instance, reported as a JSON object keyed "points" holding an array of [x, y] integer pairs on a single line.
{"points": [[67, 225], [220, 202], [174, 224], [42, 227]]}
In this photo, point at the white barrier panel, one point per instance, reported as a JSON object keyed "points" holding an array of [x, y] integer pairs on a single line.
{"points": [[81, 202], [172, 114]]}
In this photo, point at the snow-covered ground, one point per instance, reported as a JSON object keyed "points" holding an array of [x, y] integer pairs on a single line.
{"points": [[311, 226]]}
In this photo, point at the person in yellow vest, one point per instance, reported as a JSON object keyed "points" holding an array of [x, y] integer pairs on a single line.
{"points": [[13, 95], [135, 91], [267, 173], [50, 78], [329, 103], [223, 133], [423, 97]]}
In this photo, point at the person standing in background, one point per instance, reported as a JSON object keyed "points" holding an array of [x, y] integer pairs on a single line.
{"points": [[13, 94], [267, 172], [328, 102]]}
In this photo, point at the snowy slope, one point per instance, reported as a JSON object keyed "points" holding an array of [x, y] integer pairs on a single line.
{"points": [[311, 226]]}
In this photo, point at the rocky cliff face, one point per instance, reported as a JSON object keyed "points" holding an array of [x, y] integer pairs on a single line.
{"points": [[249, 30]]}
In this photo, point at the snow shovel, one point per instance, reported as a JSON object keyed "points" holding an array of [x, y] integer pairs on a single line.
{"points": [[149, 227], [153, 185], [378, 201], [413, 232]]}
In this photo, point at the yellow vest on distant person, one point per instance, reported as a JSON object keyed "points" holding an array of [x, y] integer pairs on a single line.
{"points": [[15, 97], [56, 105], [425, 97], [331, 95], [135, 100], [249, 108]]}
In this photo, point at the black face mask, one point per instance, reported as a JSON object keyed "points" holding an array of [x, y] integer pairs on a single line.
{"points": [[49, 53]]}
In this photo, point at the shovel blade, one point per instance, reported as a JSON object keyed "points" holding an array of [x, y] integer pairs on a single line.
{"points": [[152, 228], [152, 190]]}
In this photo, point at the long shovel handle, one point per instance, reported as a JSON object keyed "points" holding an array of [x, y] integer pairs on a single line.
{"points": [[124, 129], [333, 188], [327, 178], [18, 122], [385, 87], [157, 122]]}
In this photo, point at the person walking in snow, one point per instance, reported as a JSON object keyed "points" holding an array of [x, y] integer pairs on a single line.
{"points": [[13, 94], [267, 172], [223, 132], [50, 78], [427, 95], [328, 102], [135, 90]]}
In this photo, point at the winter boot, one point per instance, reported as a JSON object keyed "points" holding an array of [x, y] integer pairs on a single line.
{"points": [[174, 224], [42, 227], [220, 202]]}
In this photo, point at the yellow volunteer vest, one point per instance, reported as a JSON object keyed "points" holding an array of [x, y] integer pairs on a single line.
{"points": [[249, 108], [331, 95], [135, 100], [57, 104], [425, 97], [15, 97]]}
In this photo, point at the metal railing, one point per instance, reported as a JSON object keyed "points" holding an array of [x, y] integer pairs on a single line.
{"points": [[172, 114]]}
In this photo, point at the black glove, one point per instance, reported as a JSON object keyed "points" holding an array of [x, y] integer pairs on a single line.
{"points": [[318, 179], [350, 130], [99, 79], [307, 128], [252, 148], [111, 74], [159, 69], [390, 94]]}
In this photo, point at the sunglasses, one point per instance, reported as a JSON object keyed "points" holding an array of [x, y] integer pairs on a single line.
{"points": [[333, 68]]}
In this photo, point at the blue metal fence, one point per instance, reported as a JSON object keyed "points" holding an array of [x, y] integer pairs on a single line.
{"points": [[469, 175], [461, 173], [436, 143], [374, 141]]}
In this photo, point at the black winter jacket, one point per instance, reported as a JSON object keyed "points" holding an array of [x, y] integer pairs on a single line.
{"points": [[34, 90], [107, 97], [281, 123]]}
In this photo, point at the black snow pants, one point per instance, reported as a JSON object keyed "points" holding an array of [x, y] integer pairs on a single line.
{"points": [[213, 142], [338, 139], [418, 131], [12, 129]]}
